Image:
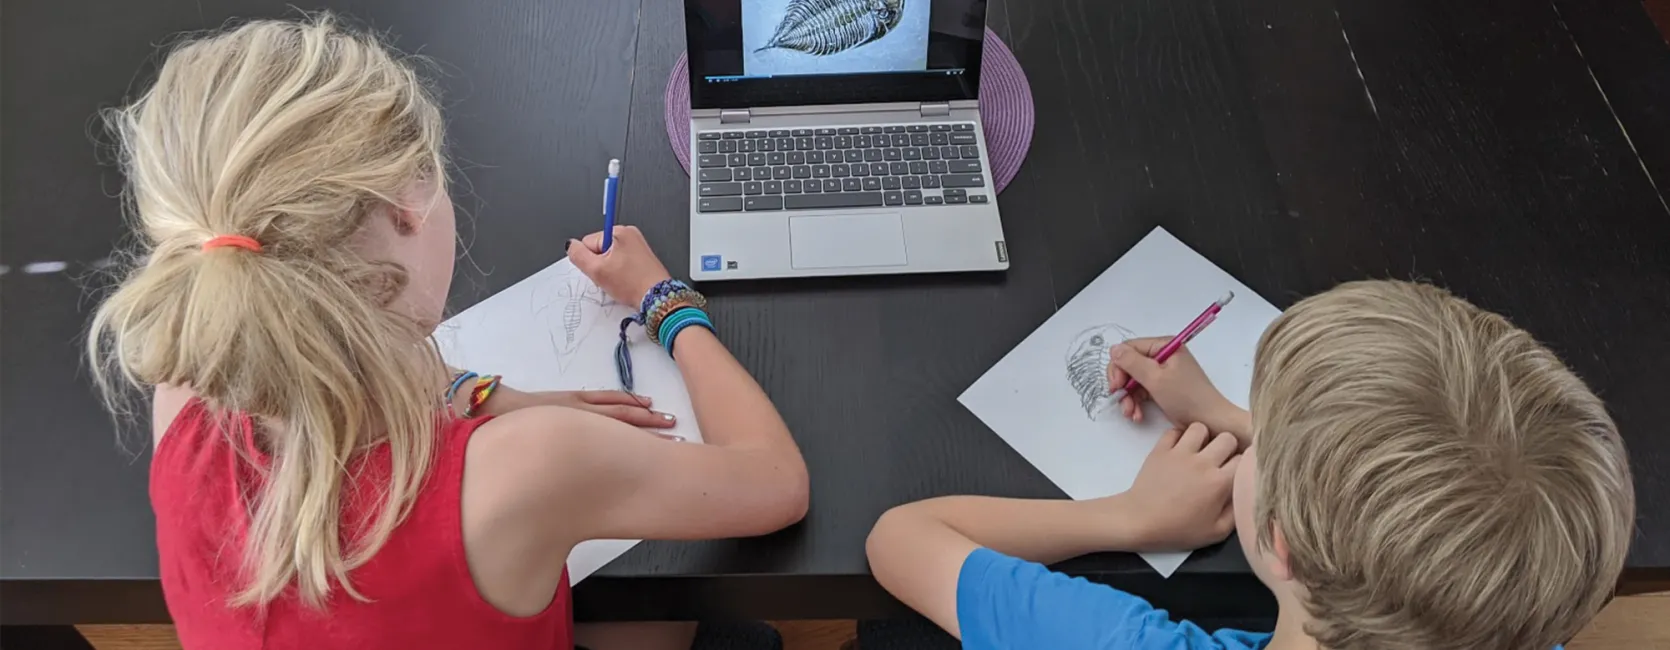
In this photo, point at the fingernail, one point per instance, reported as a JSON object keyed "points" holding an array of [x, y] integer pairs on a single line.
{"points": [[671, 437], [668, 417]]}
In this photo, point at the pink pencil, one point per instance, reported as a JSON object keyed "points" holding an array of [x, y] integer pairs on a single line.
{"points": [[1194, 329]]}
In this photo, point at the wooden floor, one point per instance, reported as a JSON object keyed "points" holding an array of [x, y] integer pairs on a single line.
{"points": [[1631, 622]]}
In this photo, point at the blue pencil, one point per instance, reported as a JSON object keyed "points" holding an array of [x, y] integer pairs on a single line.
{"points": [[611, 190]]}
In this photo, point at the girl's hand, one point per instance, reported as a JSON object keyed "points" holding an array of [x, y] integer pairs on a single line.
{"points": [[626, 407], [627, 272], [1179, 386]]}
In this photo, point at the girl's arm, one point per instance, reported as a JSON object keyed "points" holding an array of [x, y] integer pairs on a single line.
{"points": [[1180, 500]]}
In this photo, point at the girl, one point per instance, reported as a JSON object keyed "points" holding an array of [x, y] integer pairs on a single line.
{"points": [[310, 488]]}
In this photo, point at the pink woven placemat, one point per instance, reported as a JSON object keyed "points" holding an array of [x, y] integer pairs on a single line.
{"points": [[1005, 110]]}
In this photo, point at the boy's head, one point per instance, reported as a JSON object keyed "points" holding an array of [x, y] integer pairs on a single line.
{"points": [[1426, 475]]}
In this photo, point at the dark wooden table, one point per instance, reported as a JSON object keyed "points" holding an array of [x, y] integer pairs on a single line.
{"points": [[1505, 150]]}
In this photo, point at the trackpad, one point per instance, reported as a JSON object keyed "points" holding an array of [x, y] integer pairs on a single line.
{"points": [[847, 240]]}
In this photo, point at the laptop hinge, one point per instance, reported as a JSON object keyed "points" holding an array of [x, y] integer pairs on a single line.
{"points": [[931, 109], [735, 116]]}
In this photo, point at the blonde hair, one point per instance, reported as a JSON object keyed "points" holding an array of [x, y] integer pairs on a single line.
{"points": [[293, 133], [1440, 478]]}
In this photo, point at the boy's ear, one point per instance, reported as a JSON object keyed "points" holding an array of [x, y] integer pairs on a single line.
{"points": [[1278, 554]]}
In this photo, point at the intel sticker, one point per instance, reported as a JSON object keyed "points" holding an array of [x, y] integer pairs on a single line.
{"points": [[711, 262]]}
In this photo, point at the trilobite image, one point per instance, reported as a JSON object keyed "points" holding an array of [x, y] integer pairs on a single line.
{"points": [[824, 27]]}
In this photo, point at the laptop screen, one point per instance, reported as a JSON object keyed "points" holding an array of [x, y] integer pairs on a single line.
{"points": [[751, 53]]}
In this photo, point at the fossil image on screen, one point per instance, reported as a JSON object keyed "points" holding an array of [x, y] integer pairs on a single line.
{"points": [[1087, 364], [824, 27]]}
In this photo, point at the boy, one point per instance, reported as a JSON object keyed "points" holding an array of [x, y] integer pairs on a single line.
{"points": [[1424, 475]]}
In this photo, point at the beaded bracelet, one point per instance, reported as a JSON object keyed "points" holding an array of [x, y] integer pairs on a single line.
{"points": [[666, 297], [484, 385], [452, 391]]}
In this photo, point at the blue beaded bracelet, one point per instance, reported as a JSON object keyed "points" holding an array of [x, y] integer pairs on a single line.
{"points": [[667, 291]]}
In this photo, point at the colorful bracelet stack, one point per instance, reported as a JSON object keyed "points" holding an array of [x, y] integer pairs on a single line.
{"points": [[667, 308], [483, 388]]}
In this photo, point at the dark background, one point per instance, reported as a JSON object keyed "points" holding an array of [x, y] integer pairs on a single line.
{"points": [[1512, 152]]}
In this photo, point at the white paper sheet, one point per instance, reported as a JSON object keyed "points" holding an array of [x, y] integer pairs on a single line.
{"points": [[556, 330], [1032, 400]]}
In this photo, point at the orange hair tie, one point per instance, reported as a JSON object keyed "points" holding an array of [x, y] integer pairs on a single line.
{"points": [[235, 241]]}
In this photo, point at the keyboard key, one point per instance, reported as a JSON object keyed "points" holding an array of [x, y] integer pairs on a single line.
{"points": [[852, 156], [802, 171], [976, 198], [799, 133], [727, 146], [860, 169], [751, 159], [941, 127], [831, 185], [849, 130], [913, 197], [820, 171], [779, 133], [842, 170], [900, 140], [758, 203], [950, 193], [879, 169], [844, 141], [892, 154], [872, 183], [872, 129], [826, 131], [798, 157], [894, 129], [716, 175], [816, 157], [814, 186], [783, 144], [965, 126], [710, 135], [749, 146], [911, 153], [930, 153], [898, 168], [970, 151], [872, 155], [776, 158], [891, 183], [733, 135], [774, 187], [752, 187], [963, 180], [711, 160], [919, 168], [930, 182], [725, 204], [743, 173], [756, 134], [707, 147], [953, 199], [861, 142], [917, 128], [940, 167], [784, 172], [950, 153], [933, 200], [939, 139], [719, 189], [965, 166], [803, 144], [918, 139], [893, 198], [911, 183], [824, 142], [962, 138], [826, 201], [766, 145], [791, 187], [852, 185]]}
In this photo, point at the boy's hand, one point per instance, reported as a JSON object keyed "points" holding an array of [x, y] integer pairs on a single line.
{"points": [[1179, 386], [1181, 496]]}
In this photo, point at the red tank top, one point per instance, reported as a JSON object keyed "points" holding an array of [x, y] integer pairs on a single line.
{"points": [[419, 586]]}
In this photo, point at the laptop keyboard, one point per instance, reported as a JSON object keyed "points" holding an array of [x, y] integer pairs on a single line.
{"points": [[848, 167]]}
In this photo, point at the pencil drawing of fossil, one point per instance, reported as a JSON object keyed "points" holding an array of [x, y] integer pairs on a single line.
{"points": [[824, 27], [1087, 364], [573, 308]]}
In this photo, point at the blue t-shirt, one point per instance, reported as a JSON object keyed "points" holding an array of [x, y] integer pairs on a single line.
{"points": [[1003, 602]]}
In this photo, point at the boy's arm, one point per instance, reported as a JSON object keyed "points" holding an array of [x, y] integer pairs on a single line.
{"points": [[1180, 500]]}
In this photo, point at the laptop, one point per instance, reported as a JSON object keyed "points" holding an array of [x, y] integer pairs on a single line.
{"points": [[838, 137]]}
